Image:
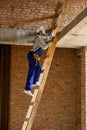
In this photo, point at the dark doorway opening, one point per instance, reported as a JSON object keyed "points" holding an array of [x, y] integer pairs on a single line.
{"points": [[5, 54]]}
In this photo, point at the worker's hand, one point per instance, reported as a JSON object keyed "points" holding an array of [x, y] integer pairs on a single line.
{"points": [[54, 27], [52, 39]]}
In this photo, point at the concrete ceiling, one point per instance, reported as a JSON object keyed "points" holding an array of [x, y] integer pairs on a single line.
{"points": [[77, 36]]}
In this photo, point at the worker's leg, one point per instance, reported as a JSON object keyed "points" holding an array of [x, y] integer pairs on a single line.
{"points": [[31, 71], [38, 69], [30, 78], [38, 66]]}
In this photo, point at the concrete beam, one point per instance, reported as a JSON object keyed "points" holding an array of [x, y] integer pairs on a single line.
{"points": [[75, 34], [16, 36]]}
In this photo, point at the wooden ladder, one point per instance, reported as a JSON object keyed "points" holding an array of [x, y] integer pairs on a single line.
{"points": [[27, 125]]}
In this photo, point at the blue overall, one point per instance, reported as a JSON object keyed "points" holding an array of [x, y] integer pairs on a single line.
{"points": [[34, 69]]}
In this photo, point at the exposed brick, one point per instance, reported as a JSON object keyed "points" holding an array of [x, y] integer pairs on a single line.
{"points": [[60, 106], [84, 88], [20, 13]]}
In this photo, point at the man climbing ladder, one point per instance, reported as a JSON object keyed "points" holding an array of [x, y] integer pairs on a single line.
{"points": [[41, 42]]}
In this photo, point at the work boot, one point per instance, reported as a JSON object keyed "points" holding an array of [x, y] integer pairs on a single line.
{"points": [[28, 92]]}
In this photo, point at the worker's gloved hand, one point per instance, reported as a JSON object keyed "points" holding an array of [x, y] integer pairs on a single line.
{"points": [[52, 39], [57, 34], [54, 27]]}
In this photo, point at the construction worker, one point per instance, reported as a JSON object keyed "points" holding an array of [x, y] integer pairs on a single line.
{"points": [[41, 42]]}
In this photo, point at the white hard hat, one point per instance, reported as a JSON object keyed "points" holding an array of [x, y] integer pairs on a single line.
{"points": [[41, 29]]}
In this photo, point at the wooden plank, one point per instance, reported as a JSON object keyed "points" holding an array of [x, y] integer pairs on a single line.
{"points": [[46, 66], [29, 111], [24, 125]]}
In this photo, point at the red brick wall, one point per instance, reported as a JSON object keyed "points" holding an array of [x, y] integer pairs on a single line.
{"points": [[17, 13], [18, 101], [83, 88], [75, 7], [60, 104], [25, 14]]}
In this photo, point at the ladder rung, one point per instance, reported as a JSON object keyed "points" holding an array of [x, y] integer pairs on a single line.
{"points": [[35, 95], [24, 125], [29, 111]]}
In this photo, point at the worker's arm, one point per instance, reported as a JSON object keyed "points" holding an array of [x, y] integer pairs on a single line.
{"points": [[44, 41], [50, 37], [41, 43]]}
